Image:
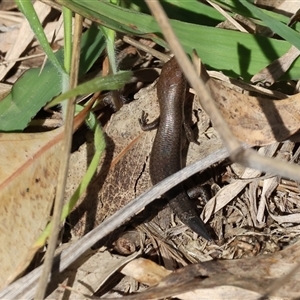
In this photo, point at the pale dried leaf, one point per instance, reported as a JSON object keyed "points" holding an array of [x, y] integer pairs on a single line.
{"points": [[28, 178], [7, 5], [145, 271], [8, 39], [256, 120], [221, 293], [269, 186], [10, 19], [288, 6]]}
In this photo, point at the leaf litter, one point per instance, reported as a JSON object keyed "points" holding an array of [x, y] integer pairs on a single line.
{"points": [[251, 213]]}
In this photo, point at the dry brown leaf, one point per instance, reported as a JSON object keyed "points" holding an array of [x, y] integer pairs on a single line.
{"points": [[29, 164], [28, 178], [256, 120], [145, 271]]}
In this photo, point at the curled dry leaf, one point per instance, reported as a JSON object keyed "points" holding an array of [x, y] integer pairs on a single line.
{"points": [[256, 120], [29, 164], [145, 271]]}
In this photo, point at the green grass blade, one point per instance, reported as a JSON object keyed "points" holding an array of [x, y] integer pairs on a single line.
{"points": [[234, 53], [67, 38], [237, 7], [281, 29], [191, 11], [92, 45], [110, 47], [110, 82]]}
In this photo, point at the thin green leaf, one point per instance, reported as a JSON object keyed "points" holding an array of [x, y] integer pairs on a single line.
{"points": [[92, 45], [281, 29], [191, 11], [67, 38], [110, 82], [110, 47], [236, 7]]}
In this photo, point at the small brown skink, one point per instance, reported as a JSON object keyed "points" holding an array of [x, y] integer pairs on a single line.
{"points": [[165, 158]]}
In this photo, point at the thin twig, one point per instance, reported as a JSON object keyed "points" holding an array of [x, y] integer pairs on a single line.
{"points": [[64, 164]]}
